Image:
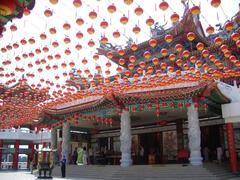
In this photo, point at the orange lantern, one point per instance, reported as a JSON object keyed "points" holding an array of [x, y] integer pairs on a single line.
{"points": [[134, 47], [218, 41], [130, 66], [136, 29], [186, 54], [142, 64], [155, 61], [172, 57], [210, 29], [132, 59], [191, 36], [200, 46], [48, 13], [121, 61], [185, 67], [170, 69], [128, 2], [163, 5], [235, 36], [147, 54], [53, 1], [112, 8], [77, 3], [163, 65], [215, 3], [150, 21], [195, 10], [121, 52], [152, 42], [178, 47], [139, 71], [110, 55], [168, 38], [229, 26], [205, 53], [79, 21], [199, 63], [224, 48], [164, 52], [138, 11], [174, 17], [193, 59], [93, 15], [179, 62]]}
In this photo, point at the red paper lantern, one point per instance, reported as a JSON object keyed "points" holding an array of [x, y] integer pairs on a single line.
{"points": [[152, 42], [174, 17], [7, 7], [138, 11], [104, 40], [215, 3], [79, 21], [229, 26], [48, 13], [104, 24], [121, 61], [134, 47], [136, 29], [147, 54], [124, 20], [91, 30], [205, 53], [210, 30], [77, 3], [163, 5], [164, 52], [116, 34], [168, 38], [218, 41], [155, 61], [195, 10], [178, 47], [150, 21], [191, 36], [235, 36], [128, 2], [112, 8], [93, 15], [121, 52]]}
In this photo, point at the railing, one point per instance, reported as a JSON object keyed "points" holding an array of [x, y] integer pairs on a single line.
{"points": [[22, 134], [9, 165]]}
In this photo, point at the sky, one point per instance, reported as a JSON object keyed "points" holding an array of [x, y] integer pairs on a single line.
{"points": [[64, 11]]}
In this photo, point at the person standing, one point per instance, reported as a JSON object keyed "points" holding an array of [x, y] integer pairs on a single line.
{"points": [[75, 155], [90, 152], [63, 166], [84, 156], [219, 154], [141, 152]]}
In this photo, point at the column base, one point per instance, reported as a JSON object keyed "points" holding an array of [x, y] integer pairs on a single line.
{"points": [[195, 158], [126, 160]]}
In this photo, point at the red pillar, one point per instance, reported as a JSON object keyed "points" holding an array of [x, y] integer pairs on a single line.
{"points": [[1, 145], [16, 153], [31, 155], [231, 147]]}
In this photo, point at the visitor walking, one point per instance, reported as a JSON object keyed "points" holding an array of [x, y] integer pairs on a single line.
{"points": [[84, 156], [63, 166], [219, 154], [90, 153], [75, 154], [31, 165], [206, 153], [141, 153]]}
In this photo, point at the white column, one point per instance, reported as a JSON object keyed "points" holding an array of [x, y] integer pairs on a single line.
{"points": [[54, 143], [66, 140], [126, 139], [194, 136]]}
